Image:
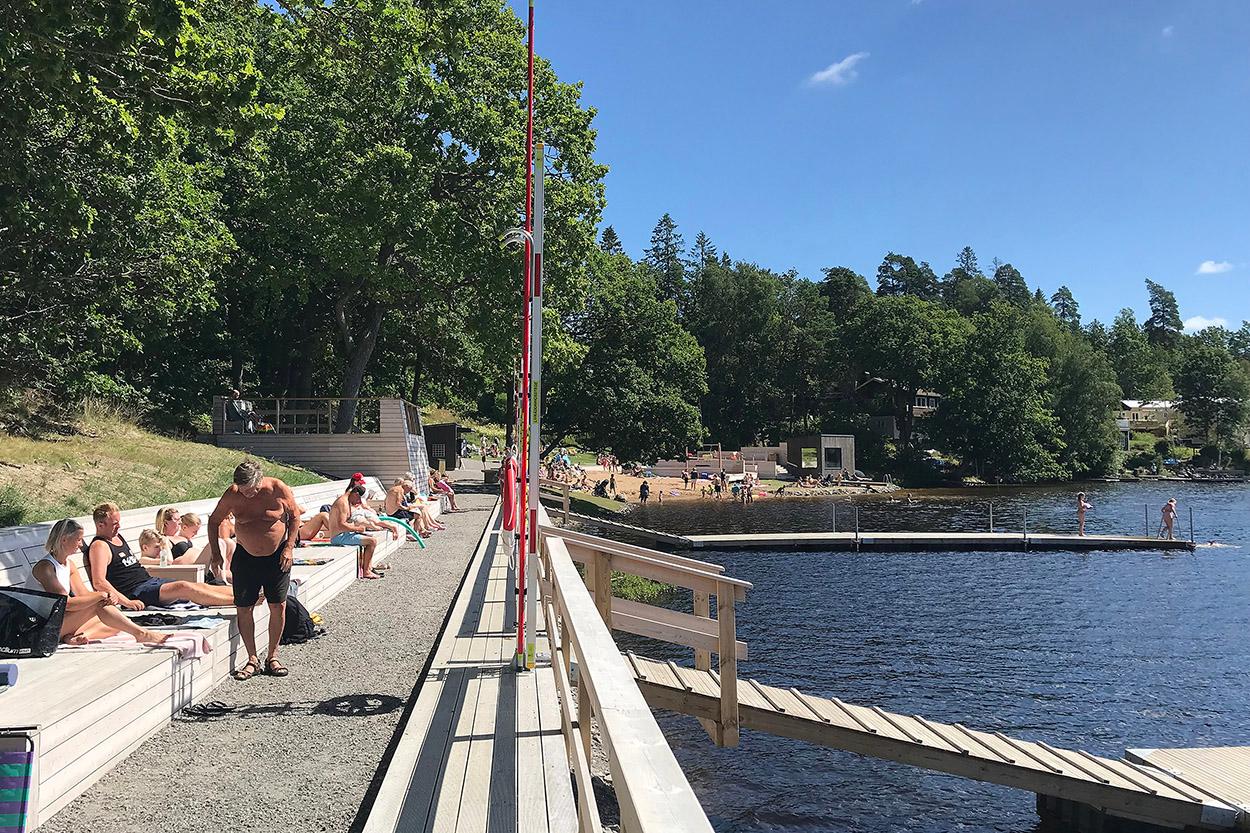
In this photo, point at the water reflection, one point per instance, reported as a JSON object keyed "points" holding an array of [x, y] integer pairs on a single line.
{"points": [[1099, 651]]}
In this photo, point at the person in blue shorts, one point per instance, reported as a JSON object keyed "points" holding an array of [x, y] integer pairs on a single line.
{"points": [[346, 533], [115, 568]]}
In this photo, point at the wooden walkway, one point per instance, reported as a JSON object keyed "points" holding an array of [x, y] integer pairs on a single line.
{"points": [[483, 748], [930, 541], [1146, 789]]}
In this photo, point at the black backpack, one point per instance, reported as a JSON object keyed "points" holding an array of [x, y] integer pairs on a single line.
{"points": [[299, 626], [30, 622]]}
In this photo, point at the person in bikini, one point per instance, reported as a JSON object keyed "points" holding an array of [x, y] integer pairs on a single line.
{"points": [[266, 526], [115, 569]]}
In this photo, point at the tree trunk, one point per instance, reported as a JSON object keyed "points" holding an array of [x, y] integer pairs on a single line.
{"points": [[359, 353]]}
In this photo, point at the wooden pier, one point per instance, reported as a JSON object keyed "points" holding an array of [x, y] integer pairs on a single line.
{"points": [[1128, 788], [932, 541]]}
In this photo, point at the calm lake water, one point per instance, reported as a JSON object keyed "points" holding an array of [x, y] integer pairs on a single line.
{"points": [[1098, 651]]}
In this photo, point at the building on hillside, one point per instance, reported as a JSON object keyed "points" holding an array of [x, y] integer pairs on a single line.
{"points": [[923, 406], [821, 454], [1156, 416], [1126, 432]]}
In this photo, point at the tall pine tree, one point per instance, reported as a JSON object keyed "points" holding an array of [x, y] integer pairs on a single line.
{"points": [[664, 257], [611, 243], [1163, 327]]}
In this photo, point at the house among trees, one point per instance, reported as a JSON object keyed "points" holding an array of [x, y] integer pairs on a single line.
{"points": [[1155, 416]]}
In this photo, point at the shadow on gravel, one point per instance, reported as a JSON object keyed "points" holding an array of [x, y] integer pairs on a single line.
{"points": [[349, 705]]}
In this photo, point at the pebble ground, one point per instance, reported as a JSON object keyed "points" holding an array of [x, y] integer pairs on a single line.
{"points": [[297, 753]]}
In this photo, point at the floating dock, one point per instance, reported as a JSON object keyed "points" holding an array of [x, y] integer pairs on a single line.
{"points": [[931, 541]]}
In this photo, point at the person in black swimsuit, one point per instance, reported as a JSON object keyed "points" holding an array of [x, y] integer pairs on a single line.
{"points": [[115, 568]]}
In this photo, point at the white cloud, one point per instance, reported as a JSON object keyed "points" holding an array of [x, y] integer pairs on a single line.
{"points": [[1213, 267], [1168, 30], [1199, 322], [838, 74]]}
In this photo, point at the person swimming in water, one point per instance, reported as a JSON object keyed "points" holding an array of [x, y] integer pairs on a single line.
{"points": [[1081, 508]]}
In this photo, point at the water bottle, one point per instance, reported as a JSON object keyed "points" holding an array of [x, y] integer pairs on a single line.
{"points": [[167, 556]]}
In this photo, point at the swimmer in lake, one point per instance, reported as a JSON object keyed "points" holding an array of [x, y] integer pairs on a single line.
{"points": [[1081, 508]]}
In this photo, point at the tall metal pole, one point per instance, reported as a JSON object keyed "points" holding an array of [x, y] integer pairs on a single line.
{"points": [[535, 414], [525, 345]]}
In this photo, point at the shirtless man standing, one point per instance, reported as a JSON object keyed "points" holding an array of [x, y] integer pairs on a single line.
{"points": [[345, 533], [266, 525]]}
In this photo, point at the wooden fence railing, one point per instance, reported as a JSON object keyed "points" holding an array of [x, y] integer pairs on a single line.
{"points": [[558, 487], [652, 791]]}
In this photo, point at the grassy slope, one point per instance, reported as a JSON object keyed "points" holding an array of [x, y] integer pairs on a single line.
{"points": [[113, 460]]}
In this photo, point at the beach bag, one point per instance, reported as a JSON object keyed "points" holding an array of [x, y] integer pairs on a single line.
{"points": [[299, 626], [30, 622]]}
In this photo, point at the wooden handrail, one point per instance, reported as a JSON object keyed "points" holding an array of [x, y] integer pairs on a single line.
{"points": [[652, 791], [565, 489], [633, 549], [658, 569]]}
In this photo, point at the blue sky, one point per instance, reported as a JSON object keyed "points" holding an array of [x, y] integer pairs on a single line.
{"points": [[1089, 144]]}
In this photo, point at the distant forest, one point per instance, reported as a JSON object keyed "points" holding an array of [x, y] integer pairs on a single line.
{"points": [[1027, 389], [307, 199]]}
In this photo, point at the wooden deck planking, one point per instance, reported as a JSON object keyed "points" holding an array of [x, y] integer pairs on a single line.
{"points": [[1223, 770], [472, 756], [1206, 790]]}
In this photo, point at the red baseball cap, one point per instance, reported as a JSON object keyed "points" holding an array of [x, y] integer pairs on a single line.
{"points": [[358, 477]]}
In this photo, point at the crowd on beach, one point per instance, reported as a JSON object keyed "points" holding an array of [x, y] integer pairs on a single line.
{"points": [[251, 538]]}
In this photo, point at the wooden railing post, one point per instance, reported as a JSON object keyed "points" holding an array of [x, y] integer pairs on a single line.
{"points": [[727, 665], [702, 607], [584, 710], [566, 502], [603, 586]]}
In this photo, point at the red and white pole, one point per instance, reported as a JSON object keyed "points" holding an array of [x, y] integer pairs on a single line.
{"points": [[525, 343], [535, 413]]}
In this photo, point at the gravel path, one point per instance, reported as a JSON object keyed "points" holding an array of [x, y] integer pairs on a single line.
{"points": [[299, 753]]}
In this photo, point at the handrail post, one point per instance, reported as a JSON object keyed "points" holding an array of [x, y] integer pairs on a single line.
{"points": [[603, 586], [567, 488], [702, 607], [584, 711], [277, 416], [727, 665]]}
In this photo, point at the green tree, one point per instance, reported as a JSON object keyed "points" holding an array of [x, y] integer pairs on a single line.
{"points": [[846, 291], [1163, 327], [611, 243], [1214, 390], [737, 316], [907, 341], [398, 166], [1066, 309], [703, 254], [995, 409], [1011, 285], [965, 288], [664, 257], [1239, 341], [900, 275], [634, 382], [1140, 368], [105, 114], [1084, 395]]}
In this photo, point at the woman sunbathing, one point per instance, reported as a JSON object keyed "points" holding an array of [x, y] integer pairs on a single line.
{"points": [[88, 614]]}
